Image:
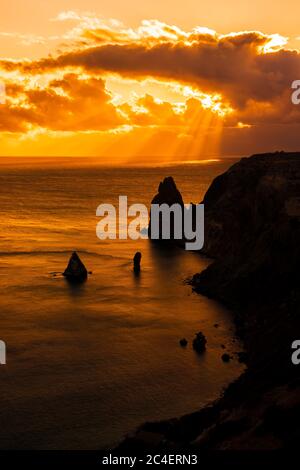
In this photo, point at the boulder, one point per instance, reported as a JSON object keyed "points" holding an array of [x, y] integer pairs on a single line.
{"points": [[75, 271], [199, 342], [137, 262], [226, 357], [183, 342]]}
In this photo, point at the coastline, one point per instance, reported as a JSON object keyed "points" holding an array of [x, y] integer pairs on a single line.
{"points": [[255, 273]]}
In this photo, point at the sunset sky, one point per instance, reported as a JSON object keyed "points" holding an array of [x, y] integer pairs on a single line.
{"points": [[155, 80]]}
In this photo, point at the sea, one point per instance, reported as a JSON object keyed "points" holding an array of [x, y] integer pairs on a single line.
{"points": [[87, 364]]}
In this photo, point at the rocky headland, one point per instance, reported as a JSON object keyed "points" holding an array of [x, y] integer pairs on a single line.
{"points": [[252, 231]]}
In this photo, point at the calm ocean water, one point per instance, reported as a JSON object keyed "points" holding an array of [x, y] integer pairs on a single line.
{"points": [[86, 365]]}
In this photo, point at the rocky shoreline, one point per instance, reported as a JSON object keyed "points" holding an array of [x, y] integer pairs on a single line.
{"points": [[252, 230]]}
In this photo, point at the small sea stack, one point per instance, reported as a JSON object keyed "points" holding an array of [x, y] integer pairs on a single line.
{"points": [[75, 271], [226, 357], [199, 342], [183, 342], [137, 262]]}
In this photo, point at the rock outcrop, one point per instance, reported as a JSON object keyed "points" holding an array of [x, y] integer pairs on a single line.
{"points": [[252, 228], [75, 271], [167, 194], [253, 232]]}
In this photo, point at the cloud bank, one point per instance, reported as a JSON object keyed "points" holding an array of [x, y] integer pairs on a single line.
{"points": [[250, 73]]}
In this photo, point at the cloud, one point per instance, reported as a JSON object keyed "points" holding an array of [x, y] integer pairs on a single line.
{"points": [[233, 66], [25, 39], [148, 111], [241, 66], [75, 103], [67, 104], [250, 72]]}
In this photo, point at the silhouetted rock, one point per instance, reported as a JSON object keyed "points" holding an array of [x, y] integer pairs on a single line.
{"points": [[167, 194], [137, 262], [75, 271], [226, 357], [199, 342], [183, 342]]}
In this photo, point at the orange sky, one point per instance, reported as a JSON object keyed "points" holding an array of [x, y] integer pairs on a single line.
{"points": [[142, 81]]}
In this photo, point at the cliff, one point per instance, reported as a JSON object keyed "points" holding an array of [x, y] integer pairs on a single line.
{"points": [[252, 227]]}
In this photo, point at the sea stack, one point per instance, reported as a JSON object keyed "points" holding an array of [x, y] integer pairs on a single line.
{"points": [[75, 271], [226, 357], [167, 194], [199, 342], [137, 262]]}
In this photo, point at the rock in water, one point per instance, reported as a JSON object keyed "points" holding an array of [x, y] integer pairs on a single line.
{"points": [[167, 194], [183, 342], [226, 357], [199, 343], [75, 271], [137, 262]]}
